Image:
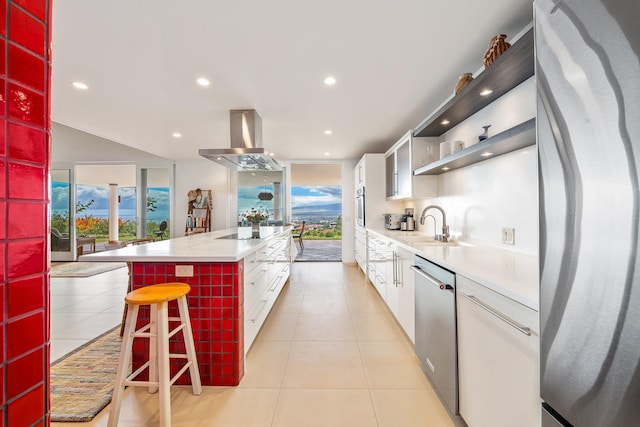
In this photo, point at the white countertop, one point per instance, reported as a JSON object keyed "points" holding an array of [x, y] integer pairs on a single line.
{"points": [[512, 274], [204, 247]]}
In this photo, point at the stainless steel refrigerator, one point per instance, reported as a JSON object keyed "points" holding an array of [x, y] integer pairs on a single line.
{"points": [[588, 87]]}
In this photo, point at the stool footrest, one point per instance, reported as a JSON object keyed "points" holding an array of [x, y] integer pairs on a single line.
{"points": [[129, 381], [176, 329], [180, 372]]}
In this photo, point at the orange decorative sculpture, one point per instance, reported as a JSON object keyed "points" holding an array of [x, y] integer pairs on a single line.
{"points": [[497, 47]]}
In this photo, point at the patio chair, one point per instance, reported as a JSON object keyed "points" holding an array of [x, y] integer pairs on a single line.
{"points": [[60, 241], [161, 230], [298, 233]]}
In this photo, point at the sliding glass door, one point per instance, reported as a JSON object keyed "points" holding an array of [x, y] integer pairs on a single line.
{"points": [[62, 213], [154, 184]]}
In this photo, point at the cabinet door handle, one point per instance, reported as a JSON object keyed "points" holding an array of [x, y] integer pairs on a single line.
{"points": [[264, 304], [509, 321]]}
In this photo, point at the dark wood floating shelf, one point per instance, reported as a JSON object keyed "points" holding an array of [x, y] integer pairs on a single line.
{"points": [[520, 136], [510, 69]]}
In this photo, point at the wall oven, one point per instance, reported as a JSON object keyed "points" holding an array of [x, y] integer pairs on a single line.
{"points": [[360, 220]]}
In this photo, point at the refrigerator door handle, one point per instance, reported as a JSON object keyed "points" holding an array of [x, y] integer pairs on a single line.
{"points": [[524, 329]]}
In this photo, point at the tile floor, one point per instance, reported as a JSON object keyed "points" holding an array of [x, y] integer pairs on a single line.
{"points": [[329, 354], [83, 308]]}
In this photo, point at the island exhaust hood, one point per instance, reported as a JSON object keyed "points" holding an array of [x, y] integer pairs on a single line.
{"points": [[246, 152]]}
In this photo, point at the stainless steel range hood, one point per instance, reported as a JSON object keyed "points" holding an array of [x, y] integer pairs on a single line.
{"points": [[246, 152]]}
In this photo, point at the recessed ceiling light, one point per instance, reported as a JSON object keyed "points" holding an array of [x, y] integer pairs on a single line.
{"points": [[203, 82], [272, 154], [445, 122], [445, 168], [80, 85], [327, 154], [487, 154], [177, 135], [328, 132], [486, 92], [330, 81]]}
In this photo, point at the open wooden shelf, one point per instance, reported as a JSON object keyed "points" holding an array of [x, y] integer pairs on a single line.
{"points": [[510, 69], [520, 136]]}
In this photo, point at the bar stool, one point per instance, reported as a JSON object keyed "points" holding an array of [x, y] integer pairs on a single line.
{"points": [[157, 330]]}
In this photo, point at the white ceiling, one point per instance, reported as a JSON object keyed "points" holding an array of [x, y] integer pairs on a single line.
{"points": [[394, 61]]}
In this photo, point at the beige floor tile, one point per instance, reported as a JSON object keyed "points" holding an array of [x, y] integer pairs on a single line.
{"points": [[278, 327], [324, 365], [366, 303], [324, 408], [324, 327], [392, 365], [288, 304], [226, 407], [324, 288], [376, 327], [324, 304], [293, 287], [265, 364], [356, 286], [409, 408]]}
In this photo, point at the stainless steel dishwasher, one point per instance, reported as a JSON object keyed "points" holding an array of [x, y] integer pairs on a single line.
{"points": [[436, 344]]}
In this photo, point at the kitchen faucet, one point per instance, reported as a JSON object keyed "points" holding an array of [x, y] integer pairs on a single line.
{"points": [[445, 227], [435, 234]]}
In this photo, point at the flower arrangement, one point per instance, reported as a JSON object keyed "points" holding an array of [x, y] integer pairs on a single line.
{"points": [[255, 216]]}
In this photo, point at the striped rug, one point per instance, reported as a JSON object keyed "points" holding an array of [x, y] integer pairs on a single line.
{"points": [[82, 381]]}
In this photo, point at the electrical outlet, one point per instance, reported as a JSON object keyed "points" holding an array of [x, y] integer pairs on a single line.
{"points": [[508, 236], [184, 270]]}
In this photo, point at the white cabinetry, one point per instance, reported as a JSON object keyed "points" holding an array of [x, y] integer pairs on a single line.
{"points": [[265, 272], [369, 175], [497, 358], [405, 307], [390, 273], [361, 248], [400, 161]]}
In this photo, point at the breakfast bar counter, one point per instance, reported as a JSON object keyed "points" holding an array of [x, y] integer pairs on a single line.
{"points": [[214, 265]]}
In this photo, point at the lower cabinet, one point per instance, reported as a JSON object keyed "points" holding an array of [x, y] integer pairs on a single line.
{"points": [[497, 358], [361, 248], [265, 273], [390, 273]]}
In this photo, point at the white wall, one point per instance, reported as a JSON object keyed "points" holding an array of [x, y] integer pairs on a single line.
{"points": [[348, 212], [482, 198], [207, 175]]}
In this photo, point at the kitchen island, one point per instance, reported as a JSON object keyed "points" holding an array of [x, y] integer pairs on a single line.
{"points": [[226, 310]]}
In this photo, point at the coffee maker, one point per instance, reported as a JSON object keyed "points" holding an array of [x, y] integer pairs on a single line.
{"points": [[408, 223]]}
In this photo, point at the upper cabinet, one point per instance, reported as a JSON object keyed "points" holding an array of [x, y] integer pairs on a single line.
{"points": [[510, 69], [400, 161]]}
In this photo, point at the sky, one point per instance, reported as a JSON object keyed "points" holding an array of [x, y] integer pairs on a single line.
{"points": [[100, 208], [302, 197]]}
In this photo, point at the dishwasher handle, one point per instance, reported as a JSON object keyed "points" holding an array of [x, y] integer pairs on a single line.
{"points": [[431, 279]]}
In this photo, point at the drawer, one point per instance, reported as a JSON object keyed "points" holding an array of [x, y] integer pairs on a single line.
{"points": [[498, 303], [255, 285]]}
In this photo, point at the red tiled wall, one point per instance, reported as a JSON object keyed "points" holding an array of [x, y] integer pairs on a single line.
{"points": [[216, 304], [24, 170]]}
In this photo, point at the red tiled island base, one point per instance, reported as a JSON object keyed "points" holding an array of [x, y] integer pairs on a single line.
{"points": [[216, 304]]}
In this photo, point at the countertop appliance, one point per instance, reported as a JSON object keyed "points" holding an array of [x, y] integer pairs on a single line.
{"points": [[360, 217], [436, 343], [408, 220], [392, 221], [588, 92]]}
